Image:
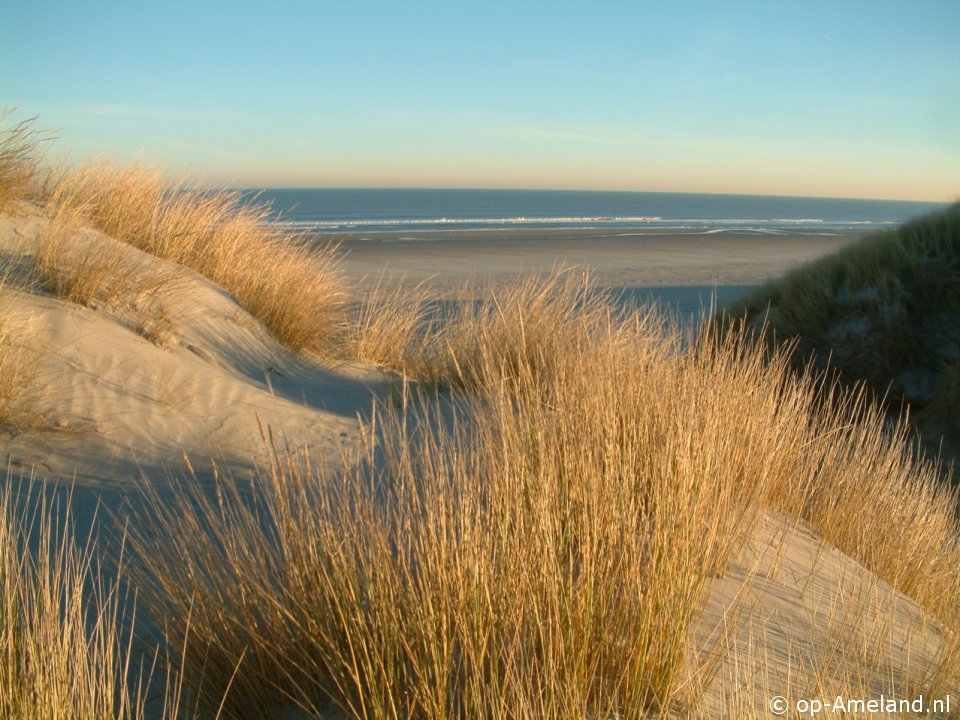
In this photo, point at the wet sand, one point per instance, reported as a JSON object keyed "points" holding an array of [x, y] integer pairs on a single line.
{"points": [[680, 267]]}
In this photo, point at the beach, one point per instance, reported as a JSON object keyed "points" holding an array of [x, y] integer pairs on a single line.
{"points": [[172, 377], [615, 257], [500, 361], [682, 270]]}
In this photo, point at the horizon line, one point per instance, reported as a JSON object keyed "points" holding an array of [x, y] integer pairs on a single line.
{"points": [[413, 188]]}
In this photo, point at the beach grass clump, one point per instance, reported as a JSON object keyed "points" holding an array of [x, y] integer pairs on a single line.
{"points": [[905, 528], [62, 650], [293, 289], [524, 326], [89, 270], [884, 311], [19, 159], [442, 344], [390, 324], [541, 546]]}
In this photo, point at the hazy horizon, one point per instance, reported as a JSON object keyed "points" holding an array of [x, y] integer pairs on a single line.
{"points": [[819, 99], [246, 188]]}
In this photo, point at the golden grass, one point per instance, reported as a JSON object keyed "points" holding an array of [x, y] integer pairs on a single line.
{"points": [[538, 547], [546, 553], [19, 159], [529, 324], [91, 271], [99, 272], [293, 289], [890, 511], [62, 654], [389, 324], [441, 345]]}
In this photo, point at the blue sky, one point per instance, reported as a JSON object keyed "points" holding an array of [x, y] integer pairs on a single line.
{"points": [[838, 98]]}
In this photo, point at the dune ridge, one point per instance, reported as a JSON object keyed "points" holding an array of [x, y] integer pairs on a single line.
{"points": [[884, 312], [543, 506]]}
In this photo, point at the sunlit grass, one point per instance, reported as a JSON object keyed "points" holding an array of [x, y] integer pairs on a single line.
{"points": [[293, 289], [545, 553], [884, 311], [531, 533], [19, 158], [63, 652]]}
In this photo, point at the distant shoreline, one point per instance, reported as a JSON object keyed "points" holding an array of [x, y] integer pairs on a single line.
{"points": [[615, 257], [430, 211], [582, 232]]}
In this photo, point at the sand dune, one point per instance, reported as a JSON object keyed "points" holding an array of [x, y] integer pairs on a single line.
{"points": [[115, 402], [127, 389]]}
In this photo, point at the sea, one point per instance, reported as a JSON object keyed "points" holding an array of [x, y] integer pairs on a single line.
{"points": [[425, 214], [414, 215]]}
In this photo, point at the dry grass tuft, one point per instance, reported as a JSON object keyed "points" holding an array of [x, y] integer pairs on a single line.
{"points": [[62, 654], [50, 667], [91, 271], [874, 500], [539, 546], [525, 325], [389, 324], [19, 159], [293, 289], [546, 553]]}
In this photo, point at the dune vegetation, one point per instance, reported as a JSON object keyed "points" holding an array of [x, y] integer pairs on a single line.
{"points": [[531, 531], [292, 289], [523, 559], [884, 312], [62, 654], [19, 159]]}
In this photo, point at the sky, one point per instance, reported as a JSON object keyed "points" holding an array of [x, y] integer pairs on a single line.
{"points": [[816, 97]]}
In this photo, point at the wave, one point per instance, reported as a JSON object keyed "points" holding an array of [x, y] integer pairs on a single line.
{"points": [[387, 241], [520, 220], [640, 221]]}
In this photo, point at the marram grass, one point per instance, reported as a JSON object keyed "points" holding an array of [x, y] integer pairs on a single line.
{"points": [[293, 289], [884, 312], [63, 652], [538, 545], [543, 549], [19, 158]]}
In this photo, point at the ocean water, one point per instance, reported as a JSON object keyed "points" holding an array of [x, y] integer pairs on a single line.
{"points": [[425, 212]]}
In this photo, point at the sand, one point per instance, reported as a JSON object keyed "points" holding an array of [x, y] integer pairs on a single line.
{"points": [[616, 258], [685, 272], [117, 406], [113, 403]]}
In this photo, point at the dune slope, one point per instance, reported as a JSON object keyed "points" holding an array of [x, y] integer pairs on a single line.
{"points": [[160, 369], [884, 311], [168, 364]]}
